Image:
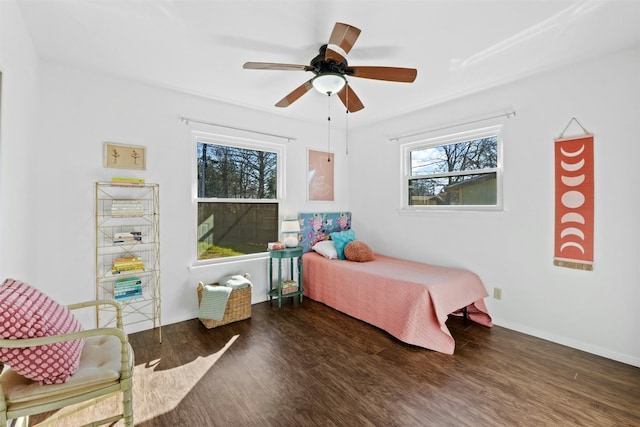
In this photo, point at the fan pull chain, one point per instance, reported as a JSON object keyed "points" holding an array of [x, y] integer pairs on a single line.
{"points": [[329, 127], [346, 136]]}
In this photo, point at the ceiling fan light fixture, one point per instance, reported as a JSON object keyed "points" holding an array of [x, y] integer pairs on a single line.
{"points": [[328, 83]]}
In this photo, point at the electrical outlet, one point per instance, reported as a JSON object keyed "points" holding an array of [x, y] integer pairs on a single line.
{"points": [[497, 293]]}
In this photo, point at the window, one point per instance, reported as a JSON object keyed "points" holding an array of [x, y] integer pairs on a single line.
{"points": [[461, 171], [238, 185]]}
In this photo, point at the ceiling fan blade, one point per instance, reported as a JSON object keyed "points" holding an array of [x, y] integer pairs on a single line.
{"points": [[342, 39], [295, 94], [350, 99], [392, 74], [274, 66]]}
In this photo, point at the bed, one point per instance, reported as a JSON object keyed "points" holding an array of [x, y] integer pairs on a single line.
{"points": [[409, 300]]}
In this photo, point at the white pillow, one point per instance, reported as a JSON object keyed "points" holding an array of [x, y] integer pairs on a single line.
{"points": [[326, 248]]}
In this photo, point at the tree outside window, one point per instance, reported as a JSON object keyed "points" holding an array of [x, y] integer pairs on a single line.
{"points": [[237, 192], [457, 170]]}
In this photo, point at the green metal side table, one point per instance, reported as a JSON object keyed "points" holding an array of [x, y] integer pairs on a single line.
{"points": [[282, 288]]}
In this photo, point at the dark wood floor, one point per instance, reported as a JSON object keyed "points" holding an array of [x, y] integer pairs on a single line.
{"points": [[308, 365]]}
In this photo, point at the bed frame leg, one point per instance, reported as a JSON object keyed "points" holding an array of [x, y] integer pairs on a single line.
{"points": [[464, 313]]}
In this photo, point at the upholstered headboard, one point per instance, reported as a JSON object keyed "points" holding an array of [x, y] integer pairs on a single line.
{"points": [[317, 226]]}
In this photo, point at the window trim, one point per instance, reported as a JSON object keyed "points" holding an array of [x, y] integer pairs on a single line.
{"points": [[231, 141], [453, 138]]}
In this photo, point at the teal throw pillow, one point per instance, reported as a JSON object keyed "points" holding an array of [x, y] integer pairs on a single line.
{"points": [[341, 238]]}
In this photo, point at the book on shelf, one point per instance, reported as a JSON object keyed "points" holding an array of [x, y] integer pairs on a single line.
{"points": [[127, 295], [127, 258], [289, 286], [127, 288], [128, 262], [127, 207], [120, 270], [127, 237], [128, 282], [127, 265], [126, 180]]}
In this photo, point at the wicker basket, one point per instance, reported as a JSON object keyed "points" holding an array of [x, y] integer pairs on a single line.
{"points": [[238, 306]]}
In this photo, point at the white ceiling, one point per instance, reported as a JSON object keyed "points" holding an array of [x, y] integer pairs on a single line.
{"points": [[458, 47]]}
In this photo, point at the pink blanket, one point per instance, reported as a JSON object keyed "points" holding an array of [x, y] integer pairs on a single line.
{"points": [[410, 300]]}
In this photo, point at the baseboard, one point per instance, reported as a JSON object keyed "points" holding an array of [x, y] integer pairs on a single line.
{"points": [[578, 345]]}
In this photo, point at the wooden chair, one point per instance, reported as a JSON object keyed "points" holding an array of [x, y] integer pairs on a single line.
{"points": [[106, 369]]}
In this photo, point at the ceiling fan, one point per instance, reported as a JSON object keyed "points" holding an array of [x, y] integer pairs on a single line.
{"points": [[331, 70]]}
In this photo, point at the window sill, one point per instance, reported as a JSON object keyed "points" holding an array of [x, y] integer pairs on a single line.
{"points": [[197, 265], [450, 210]]}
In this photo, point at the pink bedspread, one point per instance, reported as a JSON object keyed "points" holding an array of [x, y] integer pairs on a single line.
{"points": [[409, 300]]}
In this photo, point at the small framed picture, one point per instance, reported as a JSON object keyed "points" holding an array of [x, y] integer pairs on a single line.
{"points": [[124, 156]]}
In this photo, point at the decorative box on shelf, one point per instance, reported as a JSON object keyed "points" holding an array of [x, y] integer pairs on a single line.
{"points": [[289, 286], [275, 246]]}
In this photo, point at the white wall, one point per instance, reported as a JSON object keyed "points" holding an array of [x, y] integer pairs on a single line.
{"points": [[19, 66], [594, 311], [79, 111]]}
